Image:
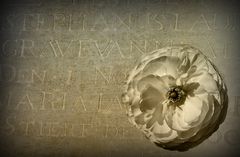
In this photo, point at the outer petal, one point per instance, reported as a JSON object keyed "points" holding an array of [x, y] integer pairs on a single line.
{"points": [[163, 66], [142, 118], [163, 133]]}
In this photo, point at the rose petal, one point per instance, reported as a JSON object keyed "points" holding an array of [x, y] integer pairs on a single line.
{"points": [[154, 81], [174, 120], [160, 129], [206, 107], [163, 66], [190, 114], [168, 80], [206, 81], [181, 80], [142, 118], [215, 111], [163, 132], [192, 109], [190, 88], [151, 97], [159, 114], [184, 66], [171, 137]]}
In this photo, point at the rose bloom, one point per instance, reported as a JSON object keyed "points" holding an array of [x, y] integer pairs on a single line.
{"points": [[176, 97]]}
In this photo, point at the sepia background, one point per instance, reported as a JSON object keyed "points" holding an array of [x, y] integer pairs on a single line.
{"points": [[64, 62]]}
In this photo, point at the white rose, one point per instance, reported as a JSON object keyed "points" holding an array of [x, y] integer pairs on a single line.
{"points": [[176, 97]]}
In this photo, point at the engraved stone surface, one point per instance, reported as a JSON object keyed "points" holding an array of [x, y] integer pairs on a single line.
{"points": [[63, 65]]}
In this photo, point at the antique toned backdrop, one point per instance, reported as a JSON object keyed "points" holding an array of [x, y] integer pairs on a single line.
{"points": [[64, 62]]}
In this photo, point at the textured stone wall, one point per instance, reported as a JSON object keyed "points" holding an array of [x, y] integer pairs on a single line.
{"points": [[63, 65]]}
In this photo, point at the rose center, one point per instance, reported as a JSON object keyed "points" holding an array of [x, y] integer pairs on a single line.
{"points": [[175, 94]]}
